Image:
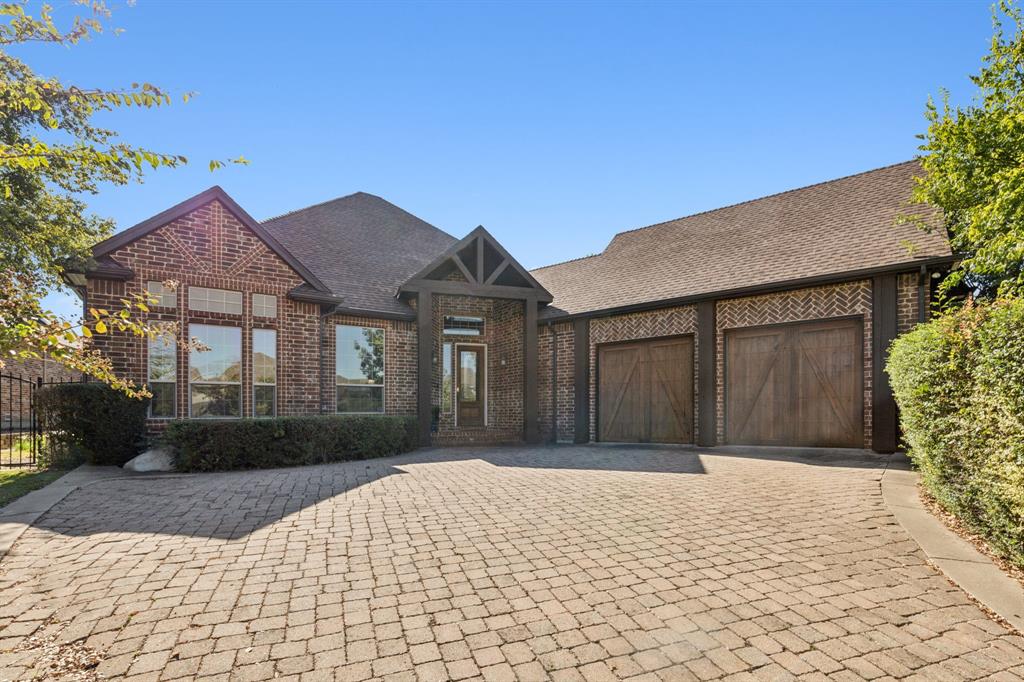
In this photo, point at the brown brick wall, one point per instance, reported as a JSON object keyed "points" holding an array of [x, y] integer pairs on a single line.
{"points": [[907, 303], [503, 338], [399, 362], [851, 298], [641, 325], [210, 248], [551, 340]]}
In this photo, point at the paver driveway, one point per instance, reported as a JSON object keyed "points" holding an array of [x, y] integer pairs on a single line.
{"points": [[568, 563]]}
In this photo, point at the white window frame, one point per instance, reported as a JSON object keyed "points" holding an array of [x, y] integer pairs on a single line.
{"points": [[149, 347], [384, 370], [241, 379], [159, 291], [458, 375], [192, 296], [260, 383], [273, 300]]}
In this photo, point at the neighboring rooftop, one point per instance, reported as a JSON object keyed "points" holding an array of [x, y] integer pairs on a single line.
{"points": [[361, 246], [839, 226]]}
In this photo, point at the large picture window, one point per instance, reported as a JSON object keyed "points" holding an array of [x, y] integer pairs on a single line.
{"points": [[215, 375], [264, 372], [162, 377], [359, 369]]}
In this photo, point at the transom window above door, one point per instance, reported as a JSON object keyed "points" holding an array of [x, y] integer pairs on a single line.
{"points": [[462, 325]]}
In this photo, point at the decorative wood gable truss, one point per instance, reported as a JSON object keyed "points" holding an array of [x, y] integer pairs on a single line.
{"points": [[477, 265], [105, 266]]}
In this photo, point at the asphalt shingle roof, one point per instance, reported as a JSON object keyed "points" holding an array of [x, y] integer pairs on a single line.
{"points": [[361, 247], [838, 226]]}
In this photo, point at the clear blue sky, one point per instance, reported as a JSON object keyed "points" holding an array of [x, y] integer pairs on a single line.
{"points": [[555, 125]]}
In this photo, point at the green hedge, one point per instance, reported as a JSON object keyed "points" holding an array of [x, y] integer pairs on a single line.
{"points": [[959, 384], [90, 421], [286, 441]]}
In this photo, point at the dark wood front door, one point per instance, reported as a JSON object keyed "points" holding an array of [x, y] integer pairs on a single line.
{"points": [[795, 384], [470, 388], [645, 392]]}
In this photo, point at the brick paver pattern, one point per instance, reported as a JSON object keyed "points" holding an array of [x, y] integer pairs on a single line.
{"points": [[571, 563]]}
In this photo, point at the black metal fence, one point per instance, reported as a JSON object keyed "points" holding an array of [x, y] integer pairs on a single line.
{"points": [[21, 435]]}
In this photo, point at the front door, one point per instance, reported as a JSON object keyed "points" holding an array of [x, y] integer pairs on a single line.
{"points": [[470, 389]]}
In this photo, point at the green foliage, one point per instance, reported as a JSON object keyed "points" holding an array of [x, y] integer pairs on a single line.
{"points": [[959, 383], [52, 155], [17, 482], [91, 420], [286, 441], [972, 156]]}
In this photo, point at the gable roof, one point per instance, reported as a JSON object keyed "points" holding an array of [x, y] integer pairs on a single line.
{"points": [[840, 226], [362, 247], [101, 251], [489, 266]]}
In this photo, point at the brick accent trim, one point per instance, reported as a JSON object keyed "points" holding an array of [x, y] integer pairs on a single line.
{"points": [[643, 325], [814, 303]]}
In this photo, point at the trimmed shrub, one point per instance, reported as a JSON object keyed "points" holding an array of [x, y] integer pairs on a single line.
{"points": [[91, 422], [286, 441], [959, 384]]}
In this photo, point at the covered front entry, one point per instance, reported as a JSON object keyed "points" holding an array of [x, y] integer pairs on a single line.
{"points": [[645, 391], [796, 384]]}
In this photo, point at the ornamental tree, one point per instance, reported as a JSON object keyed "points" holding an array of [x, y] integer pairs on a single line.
{"points": [[52, 156], [974, 161]]}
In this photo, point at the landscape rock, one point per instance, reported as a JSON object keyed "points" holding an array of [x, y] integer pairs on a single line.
{"points": [[154, 459]]}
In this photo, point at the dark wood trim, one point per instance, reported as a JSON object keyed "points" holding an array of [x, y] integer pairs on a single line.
{"points": [[424, 363], [706, 369], [480, 260], [581, 376], [530, 412], [465, 271], [768, 325], [473, 289], [922, 307], [755, 290], [884, 426], [502, 266], [478, 235]]}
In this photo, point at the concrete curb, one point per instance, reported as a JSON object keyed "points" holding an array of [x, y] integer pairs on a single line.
{"points": [[958, 559], [16, 517]]}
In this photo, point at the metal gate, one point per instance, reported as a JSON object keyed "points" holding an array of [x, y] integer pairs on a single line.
{"points": [[21, 433]]}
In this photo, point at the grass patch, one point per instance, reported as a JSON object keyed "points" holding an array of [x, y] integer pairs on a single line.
{"points": [[17, 482]]}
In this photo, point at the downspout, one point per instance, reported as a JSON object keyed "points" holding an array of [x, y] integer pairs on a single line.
{"points": [[554, 382], [922, 282]]}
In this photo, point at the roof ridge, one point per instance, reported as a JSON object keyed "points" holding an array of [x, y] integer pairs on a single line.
{"points": [[319, 203], [761, 198], [564, 262]]}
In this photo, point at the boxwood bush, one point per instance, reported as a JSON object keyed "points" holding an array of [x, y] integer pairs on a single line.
{"points": [[959, 384], [91, 422], [286, 441]]}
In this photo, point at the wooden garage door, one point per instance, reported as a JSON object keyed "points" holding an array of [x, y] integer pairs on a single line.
{"points": [[645, 392], [796, 384]]}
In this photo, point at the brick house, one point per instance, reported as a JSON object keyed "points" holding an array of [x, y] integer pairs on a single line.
{"points": [[765, 322]]}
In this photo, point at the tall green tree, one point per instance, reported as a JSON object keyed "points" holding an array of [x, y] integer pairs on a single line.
{"points": [[974, 161], [52, 156]]}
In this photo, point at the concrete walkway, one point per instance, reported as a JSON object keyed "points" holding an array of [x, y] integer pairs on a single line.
{"points": [[966, 566], [20, 514]]}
